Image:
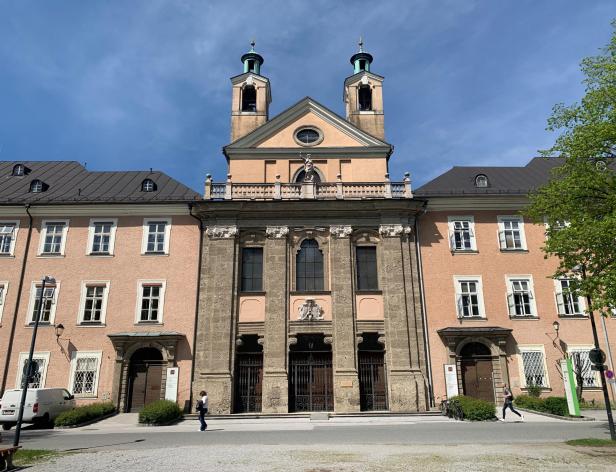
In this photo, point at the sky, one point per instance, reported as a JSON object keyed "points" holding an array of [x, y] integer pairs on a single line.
{"points": [[139, 84]]}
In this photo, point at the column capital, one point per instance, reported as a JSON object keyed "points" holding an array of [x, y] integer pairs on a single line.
{"points": [[276, 232], [341, 231], [394, 231], [221, 232]]}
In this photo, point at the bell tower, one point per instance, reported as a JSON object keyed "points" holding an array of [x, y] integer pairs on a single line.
{"points": [[250, 96], [363, 95]]}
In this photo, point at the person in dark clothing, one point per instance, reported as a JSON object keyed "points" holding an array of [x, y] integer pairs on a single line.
{"points": [[509, 403], [202, 406]]}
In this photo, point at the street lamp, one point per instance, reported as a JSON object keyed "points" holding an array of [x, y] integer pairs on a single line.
{"points": [[47, 280], [59, 330], [556, 326], [600, 366]]}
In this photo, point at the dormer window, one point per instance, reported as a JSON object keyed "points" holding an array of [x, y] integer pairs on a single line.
{"points": [[365, 98], [481, 181], [36, 186], [148, 185], [19, 170], [249, 98]]}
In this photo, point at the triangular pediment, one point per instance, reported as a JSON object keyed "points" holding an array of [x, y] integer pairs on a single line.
{"points": [[279, 132]]}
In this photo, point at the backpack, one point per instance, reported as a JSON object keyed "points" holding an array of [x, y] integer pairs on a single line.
{"points": [[199, 406]]}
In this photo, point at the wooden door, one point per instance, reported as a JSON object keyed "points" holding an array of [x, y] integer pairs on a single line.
{"points": [[146, 384], [477, 378]]}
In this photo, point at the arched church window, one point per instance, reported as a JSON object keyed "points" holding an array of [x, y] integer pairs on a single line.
{"points": [[249, 98], [365, 98], [309, 267]]}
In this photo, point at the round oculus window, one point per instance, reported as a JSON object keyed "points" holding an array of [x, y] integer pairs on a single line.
{"points": [[308, 136]]}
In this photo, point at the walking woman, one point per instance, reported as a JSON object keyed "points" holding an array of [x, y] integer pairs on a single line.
{"points": [[509, 403], [202, 409]]}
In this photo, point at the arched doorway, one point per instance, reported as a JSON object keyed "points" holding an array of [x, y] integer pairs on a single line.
{"points": [[145, 377], [476, 367], [371, 370], [248, 375]]}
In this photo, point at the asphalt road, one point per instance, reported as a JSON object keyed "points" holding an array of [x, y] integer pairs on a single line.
{"points": [[121, 432]]}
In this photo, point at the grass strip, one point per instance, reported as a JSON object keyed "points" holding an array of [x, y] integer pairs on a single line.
{"points": [[32, 456], [592, 442]]}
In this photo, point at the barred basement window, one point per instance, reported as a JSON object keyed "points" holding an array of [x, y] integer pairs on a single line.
{"points": [[583, 367], [534, 368], [38, 369], [86, 370]]}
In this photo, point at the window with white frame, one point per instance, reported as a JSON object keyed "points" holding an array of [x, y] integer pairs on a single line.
{"points": [[85, 368], [462, 233], [3, 288], [38, 372], [93, 302], [151, 302], [53, 237], [533, 367], [156, 236], [8, 235], [469, 297], [102, 237], [520, 297], [568, 302], [582, 367], [511, 233], [49, 298]]}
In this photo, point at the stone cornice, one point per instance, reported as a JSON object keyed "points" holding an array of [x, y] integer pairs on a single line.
{"points": [[293, 153], [477, 202]]}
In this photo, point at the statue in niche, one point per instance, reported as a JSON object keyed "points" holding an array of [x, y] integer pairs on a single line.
{"points": [[310, 311], [309, 173]]}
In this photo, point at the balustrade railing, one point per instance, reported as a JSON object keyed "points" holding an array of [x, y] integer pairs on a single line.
{"points": [[308, 190]]}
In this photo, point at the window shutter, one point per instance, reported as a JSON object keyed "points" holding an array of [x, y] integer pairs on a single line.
{"points": [[560, 303], [501, 239], [460, 305], [452, 239], [511, 303]]}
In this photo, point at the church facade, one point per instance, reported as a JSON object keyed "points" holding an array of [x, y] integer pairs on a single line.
{"points": [[309, 294]]}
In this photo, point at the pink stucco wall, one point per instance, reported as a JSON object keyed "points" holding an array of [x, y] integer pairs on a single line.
{"points": [[122, 270], [440, 266]]}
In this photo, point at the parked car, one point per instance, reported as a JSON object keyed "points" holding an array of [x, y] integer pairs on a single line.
{"points": [[42, 405]]}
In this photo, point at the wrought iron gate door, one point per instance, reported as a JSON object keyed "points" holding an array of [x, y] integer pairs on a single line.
{"points": [[310, 381], [372, 385], [248, 381]]}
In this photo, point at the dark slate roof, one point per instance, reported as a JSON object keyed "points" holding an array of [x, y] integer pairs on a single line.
{"points": [[70, 182], [501, 180]]}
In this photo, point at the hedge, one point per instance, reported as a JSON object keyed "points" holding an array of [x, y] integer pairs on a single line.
{"points": [[160, 412], [554, 405], [84, 414], [474, 409]]}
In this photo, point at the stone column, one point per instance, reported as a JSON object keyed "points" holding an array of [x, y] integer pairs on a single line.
{"points": [[406, 382], [346, 381], [275, 388], [215, 324]]}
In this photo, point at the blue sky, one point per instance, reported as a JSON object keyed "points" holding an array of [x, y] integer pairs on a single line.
{"points": [[134, 84]]}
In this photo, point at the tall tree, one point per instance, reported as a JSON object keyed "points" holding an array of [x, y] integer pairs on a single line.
{"points": [[579, 202]]}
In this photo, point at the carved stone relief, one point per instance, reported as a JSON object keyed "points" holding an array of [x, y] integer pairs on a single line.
{"points": [[341, 231], [221, 232], [277, 232], [310, 311], [394, 231]]}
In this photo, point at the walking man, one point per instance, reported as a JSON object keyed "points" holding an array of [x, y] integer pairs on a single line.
{"points": [[202, 409], [509, 403]]}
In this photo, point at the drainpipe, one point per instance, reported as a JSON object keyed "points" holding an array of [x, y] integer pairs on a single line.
{"points": [[192, 366], [423, 308], [22, 274]]}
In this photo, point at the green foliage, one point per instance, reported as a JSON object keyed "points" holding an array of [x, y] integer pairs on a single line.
{"points": [[84, 414], [160, 412], [582, 192], [534, 390], [473, 408], [554, 405], [592, 442], [557, 406]]}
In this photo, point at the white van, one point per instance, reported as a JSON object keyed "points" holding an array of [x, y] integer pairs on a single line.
{"points": [[42, 405]]}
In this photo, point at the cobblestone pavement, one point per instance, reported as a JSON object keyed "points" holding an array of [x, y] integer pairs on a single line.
{"points": [[345, 458]]}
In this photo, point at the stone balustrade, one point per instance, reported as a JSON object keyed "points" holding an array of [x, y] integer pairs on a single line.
{"points": [[337, 190]]}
